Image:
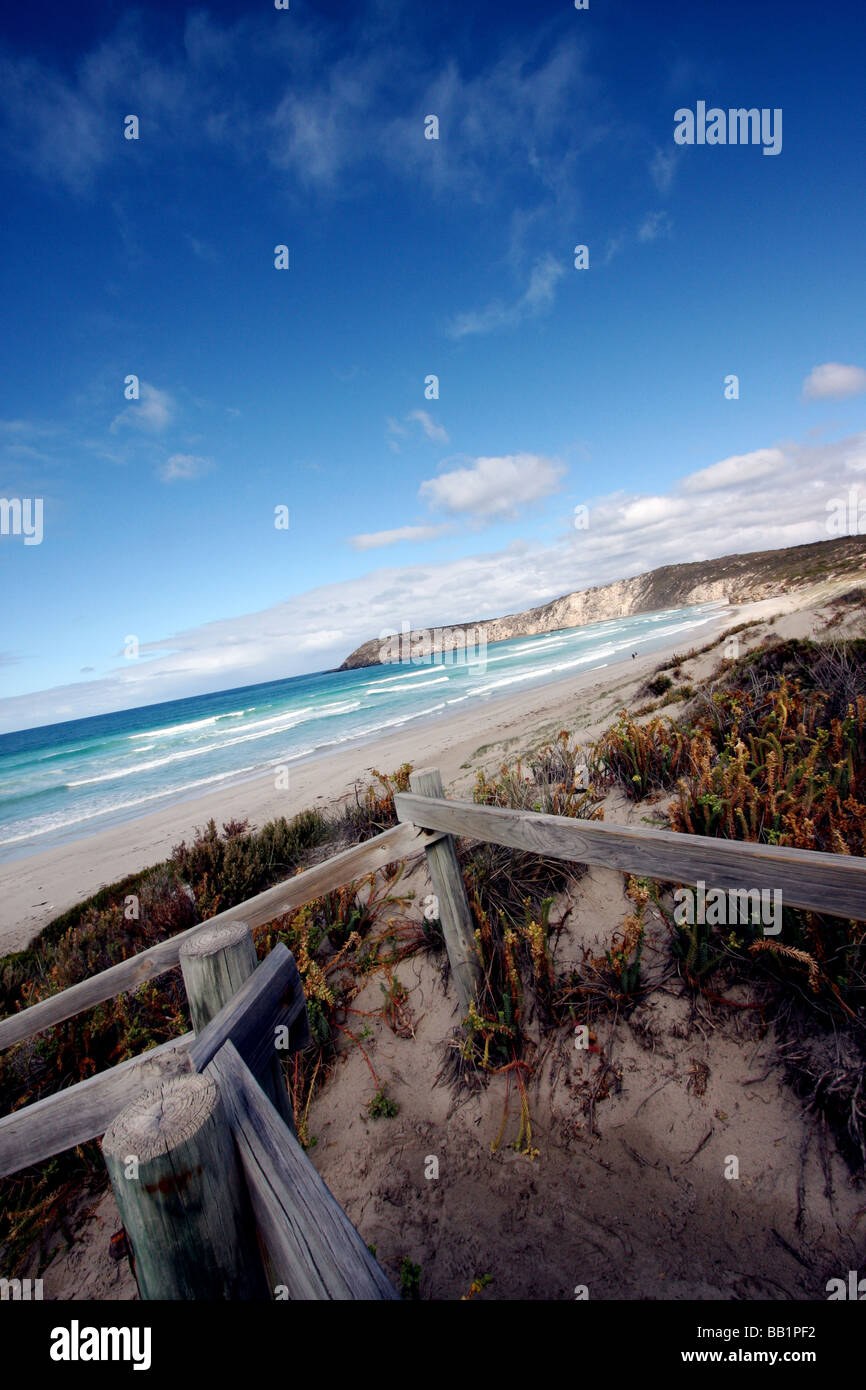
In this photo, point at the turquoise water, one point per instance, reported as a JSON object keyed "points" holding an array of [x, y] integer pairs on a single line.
{"points": [[64, 781]]}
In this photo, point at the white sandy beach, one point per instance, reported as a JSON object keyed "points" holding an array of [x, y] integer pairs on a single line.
{"points": [[36, 889]]}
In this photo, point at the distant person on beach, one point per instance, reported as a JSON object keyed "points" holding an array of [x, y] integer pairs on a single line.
{"points": [[633, 656]]}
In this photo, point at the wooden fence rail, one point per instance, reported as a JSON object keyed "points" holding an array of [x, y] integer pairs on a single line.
{"points": [[831, 883], [270, 996], [81, 1112], [400, 842]]}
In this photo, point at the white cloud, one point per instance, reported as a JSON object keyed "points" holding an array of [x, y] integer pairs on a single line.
{"points": [[654, 225], [372, 540], [437, 433], [426, 424], [645, 513], [36, 104], [325, 101], [855, 457], [764, 499], [769, 498], [183, 467], [493, 487], [762, 507], [153, 411], [519, 115], [319, 640], [834, 381], [309, 138], [662, 169], [64, 126], [739, 468], [546, 274], [28, 427], [26, 451], [538, 296]]}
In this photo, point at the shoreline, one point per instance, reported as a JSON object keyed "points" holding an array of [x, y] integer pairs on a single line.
{"points": [[36, 888], [99, 822]]}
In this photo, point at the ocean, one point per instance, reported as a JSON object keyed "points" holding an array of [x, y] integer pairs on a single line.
{"points": [[65, 781]]}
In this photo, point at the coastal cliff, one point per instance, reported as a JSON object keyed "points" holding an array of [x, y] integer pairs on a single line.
{"points": [[730, 579]]}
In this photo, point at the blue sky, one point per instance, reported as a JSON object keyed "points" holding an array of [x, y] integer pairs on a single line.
{"points": [[305, 388]]}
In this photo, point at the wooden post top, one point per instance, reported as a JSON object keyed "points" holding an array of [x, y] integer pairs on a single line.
{"points": [[212, 939], [162, 1118]]}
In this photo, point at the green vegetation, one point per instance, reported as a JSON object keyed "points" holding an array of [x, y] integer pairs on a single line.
{"points": [[410, 1279], [381, 1106], [772, 750], [643, 758], [511, 895], [675, 662], [657, 686], [373, 811]]}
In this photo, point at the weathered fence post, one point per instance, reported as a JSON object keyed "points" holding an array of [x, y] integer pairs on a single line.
{"points": [[311, 1248], [215, 964], [182, 1196], [455, 914]]}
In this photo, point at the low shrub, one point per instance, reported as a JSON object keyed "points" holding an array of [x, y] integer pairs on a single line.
{"points": [[372, 810]]}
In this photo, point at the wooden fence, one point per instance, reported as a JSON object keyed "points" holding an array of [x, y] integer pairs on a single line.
{"points": [[216, 1195], [83, 1111], [831, 883], [211, 1108]]}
